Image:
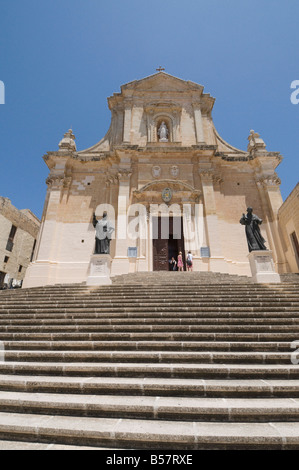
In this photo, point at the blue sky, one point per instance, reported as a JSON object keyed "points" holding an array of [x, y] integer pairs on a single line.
{"points": [[61, 59]]}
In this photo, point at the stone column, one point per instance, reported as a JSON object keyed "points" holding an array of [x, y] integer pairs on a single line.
{"points": [[199, 223], [217, 262], [42, 270], [120, 263], [271, 200], [198, 123], [127, 122], [189, 228]]}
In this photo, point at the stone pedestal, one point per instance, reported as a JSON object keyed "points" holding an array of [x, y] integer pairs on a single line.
{"points": [[262, 267], [99, 270]]}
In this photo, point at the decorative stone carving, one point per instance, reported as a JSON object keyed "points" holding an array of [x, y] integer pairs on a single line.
{"points": [[206, 174], [217, 179], [55, 180], [124, 173], [174, 171], [68, 141], [255, 142], [156, 171], [210, 175], [167, 194], [67, 182], [272, 180]]}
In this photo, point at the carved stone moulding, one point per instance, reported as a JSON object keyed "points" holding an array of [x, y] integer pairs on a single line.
{"points": [[55, 180], [272, 180]]}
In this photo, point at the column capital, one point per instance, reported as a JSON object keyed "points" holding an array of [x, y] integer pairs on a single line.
{"points": [[124, 174], [206, 174], [55, 181], [269, 181]]}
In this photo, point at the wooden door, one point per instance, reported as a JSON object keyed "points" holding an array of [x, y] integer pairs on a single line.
{"points": [[164, 249], [160, 255]]}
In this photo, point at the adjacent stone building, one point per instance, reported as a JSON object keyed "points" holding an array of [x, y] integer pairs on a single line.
{"points": [[18, 234], [288, 216], [161, 153]]}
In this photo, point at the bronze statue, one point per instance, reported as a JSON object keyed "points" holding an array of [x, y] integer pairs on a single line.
{"points": [[254, 237], [104, 230]]}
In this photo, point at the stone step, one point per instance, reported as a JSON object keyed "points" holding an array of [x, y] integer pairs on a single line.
{"points": [[156, 336], [147, 312], [169, 370], [254, 346], [153, 434], [147, 407], [162, 356], [152, 287], [147, 317], [99, 321], [18, 445], [154, 301], [211, 328], [194, 387], [198, 285], [197, 357]]}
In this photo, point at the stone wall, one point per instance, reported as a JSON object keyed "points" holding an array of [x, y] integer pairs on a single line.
{"points": [[288, 216], [27, 225]]}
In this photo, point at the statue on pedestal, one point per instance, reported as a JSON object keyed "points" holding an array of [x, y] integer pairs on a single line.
{"points": [[104, 231], [163, 132], [254, 237]]}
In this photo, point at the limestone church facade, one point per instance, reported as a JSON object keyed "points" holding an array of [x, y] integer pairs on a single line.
{"points": [[163, 154]]}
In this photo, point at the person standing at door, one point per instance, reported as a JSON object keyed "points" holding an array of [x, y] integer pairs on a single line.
{"points": [[180, 262], [189, 261], [173, 264]]}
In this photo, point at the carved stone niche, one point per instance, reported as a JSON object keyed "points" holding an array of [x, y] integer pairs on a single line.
{"points": [[156, 113]]}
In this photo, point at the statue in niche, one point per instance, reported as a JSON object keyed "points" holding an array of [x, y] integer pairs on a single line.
{"points": [[104, 230], [254, 237], [163, 132]]}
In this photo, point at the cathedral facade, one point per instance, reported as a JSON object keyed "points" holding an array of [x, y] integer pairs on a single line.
{"points": [[168, 183]]}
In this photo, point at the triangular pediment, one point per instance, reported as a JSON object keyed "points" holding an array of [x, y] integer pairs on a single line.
{"points": [[162, 81]]}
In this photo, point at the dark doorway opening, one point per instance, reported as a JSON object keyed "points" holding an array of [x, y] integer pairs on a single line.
{"points": [[2, 276], [167, 243]]}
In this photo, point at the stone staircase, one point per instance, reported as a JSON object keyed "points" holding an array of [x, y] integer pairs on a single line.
{"points": [[155, 361]]}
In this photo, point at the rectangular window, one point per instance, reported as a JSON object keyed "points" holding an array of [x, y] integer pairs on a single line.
{"points": [[20, 268], [6, 258], [12, 232], [32, 253], [11, 237]]}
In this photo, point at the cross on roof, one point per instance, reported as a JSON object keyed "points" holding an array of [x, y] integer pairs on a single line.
{"points": [[160, 69]]}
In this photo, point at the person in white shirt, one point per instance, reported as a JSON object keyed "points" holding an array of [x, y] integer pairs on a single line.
{"points": [[189, 261]]}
